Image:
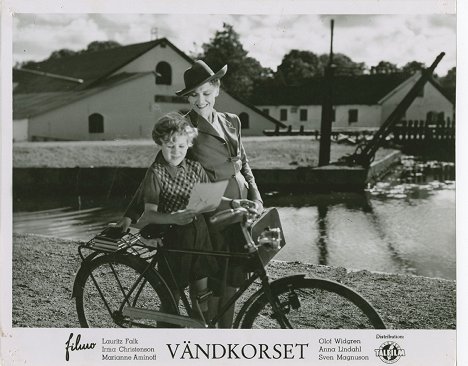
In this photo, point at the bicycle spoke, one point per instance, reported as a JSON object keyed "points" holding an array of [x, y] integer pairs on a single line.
{"points": [[119, 283], [316, 304], [101, 295], [114, 283]]}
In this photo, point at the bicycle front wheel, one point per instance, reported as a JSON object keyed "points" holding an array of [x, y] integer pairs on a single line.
{"points": [[312, 304], [107, 283]]}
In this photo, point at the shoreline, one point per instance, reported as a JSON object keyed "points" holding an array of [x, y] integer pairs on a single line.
{"points": [[263, 153], [44, 300]]}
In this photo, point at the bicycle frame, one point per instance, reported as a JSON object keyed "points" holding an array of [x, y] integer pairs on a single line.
{"points": [[256, 255], [259, 273], [260, 242], [126, 308]]}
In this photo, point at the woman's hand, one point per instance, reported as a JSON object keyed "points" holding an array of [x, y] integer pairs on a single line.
{"points": [[259, 206], [182, 217], [255, 207]]}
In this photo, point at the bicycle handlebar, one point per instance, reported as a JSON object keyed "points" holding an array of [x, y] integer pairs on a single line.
{"points": [[228, 217]]}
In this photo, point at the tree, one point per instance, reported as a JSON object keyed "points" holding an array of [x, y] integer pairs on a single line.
{"points": [[384, 67], [413, 66], [26, 65], [449, 83], [244, 71], [297, 66], [449, 80], [344, 65], [101, 45], [64, 52]]}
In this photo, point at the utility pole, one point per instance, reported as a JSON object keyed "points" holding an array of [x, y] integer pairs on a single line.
{"points": [[327, 108], [154, 33]]}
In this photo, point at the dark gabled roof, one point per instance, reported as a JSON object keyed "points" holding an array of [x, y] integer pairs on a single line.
{"points": [[33, 104], [361, 89], [26, 105], [260, 112], [54, 83], [28, 82], [91, 67]]}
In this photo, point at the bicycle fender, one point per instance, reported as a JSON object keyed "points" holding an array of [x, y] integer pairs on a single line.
{"points": [[84, 268], [245, 307], [279, 282]]}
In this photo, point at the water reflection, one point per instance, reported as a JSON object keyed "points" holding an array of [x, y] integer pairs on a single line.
{"points": [[77, 218], [413, 235], [379, 230], [323, 234]]}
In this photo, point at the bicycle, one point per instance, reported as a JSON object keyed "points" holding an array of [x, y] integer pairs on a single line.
{"points": [[121, 286]]}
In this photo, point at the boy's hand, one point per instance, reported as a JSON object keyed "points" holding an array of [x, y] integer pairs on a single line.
{"points": [[183, 217], [123, 223]]}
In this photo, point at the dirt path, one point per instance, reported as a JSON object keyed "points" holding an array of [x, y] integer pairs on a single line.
{"points": [[44, 268]]}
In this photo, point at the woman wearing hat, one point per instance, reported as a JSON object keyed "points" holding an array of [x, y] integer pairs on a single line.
{"points": [[219, 149]]}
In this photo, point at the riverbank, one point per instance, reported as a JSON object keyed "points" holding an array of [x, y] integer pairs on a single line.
{"points": [[44, 268], [263, 152], [117, 167]]}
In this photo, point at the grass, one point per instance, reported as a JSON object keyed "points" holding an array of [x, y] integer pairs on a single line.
{"points": [[263, 153]]}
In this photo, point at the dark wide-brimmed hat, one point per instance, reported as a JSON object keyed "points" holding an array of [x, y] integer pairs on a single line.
{"points": [[198, 74]]}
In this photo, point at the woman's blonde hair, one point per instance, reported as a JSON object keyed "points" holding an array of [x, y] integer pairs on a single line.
{"points": [[170, 125], [216, 82]]}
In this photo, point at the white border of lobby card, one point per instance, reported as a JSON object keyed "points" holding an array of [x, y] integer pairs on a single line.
{"points": [[47, 346]]}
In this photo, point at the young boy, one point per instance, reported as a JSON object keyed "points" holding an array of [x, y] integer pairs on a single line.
{"points": [[166, 191]]}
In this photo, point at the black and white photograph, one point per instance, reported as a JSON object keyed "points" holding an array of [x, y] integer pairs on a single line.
{"points": [[220, 170]]}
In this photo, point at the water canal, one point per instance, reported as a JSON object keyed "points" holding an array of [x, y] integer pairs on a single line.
{"points": [[398, 226]]}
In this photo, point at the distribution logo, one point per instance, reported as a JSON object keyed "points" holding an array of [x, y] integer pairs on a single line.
{"points": [[390, 352]]}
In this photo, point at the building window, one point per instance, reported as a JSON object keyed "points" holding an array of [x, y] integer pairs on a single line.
{"points": [[303, 115], [266, 111], [421, 92], [283, 114], [430, 117], [441, 117], [163, 73], [244, 118], [352, 116], [96, 123], [434, 117]]}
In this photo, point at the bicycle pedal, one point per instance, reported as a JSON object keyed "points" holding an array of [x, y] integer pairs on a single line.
{"points": [[284, 311], [293, 300], [205, 296]]}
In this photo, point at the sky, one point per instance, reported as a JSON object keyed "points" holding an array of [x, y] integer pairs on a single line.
{"points": [[267, 38]]}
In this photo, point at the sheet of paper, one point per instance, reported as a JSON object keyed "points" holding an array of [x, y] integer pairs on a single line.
{"points": [[206, 197]]}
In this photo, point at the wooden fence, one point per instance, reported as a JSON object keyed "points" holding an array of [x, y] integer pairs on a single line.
{"points": [[427, 138], [316, 133]]}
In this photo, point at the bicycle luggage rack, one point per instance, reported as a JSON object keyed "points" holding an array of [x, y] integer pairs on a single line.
{"points": [[132, 243]]}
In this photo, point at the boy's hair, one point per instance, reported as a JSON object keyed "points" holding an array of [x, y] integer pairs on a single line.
{"points": [[172, 124]]}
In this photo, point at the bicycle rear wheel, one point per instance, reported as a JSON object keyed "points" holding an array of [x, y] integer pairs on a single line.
{"points": [[313, 304], [107, 283]]}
